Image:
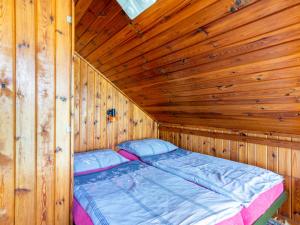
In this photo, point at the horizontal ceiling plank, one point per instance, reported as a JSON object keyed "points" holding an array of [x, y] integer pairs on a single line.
{"points": [[193, 17], [207, 53], [232, 21], [80, 9], [271, 53]]}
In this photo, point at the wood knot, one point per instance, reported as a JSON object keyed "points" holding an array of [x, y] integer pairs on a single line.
{"points": [[3, 85], [22, 190], [58, 149], [60, 201], [213, 149], [63, 98], [273, 155], [59, 31], [23, 45]]}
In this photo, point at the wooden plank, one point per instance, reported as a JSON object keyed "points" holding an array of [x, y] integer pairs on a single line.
{"points": [[97, 112], [110, 126], [45, 117], [83, 105], [181, 16], [227, 23], [103, 109], [81, 7], [90, 108], [7, 113], [204, 52], [285, 169], [272, 157], [186, 44], [296, 184], [241, 137], [25, 167], [77, 103], [261, 153], [63, 120]]}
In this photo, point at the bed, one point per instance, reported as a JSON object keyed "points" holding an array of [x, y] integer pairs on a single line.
{"points": [[133, 192], [256, 189]]}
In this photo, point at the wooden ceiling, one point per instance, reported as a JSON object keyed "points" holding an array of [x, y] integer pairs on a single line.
{"points": [[221, 63]]}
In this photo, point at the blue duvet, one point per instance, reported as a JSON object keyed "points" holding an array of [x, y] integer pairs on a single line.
{"points": [[136, 193], [238, 181]]}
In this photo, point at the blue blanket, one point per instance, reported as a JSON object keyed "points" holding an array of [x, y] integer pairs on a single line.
{"points": [[239, 181], [136, 193]]}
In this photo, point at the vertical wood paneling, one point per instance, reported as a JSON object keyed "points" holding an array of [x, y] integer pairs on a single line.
{"points": [[83, 105], [284, 161], [45, 111], [91, 107], [97, 95], [25, 177], [35, 138], [285, 169], [103, 107], [97, 116], [7, 112], [296, 183], [77, 102], [63, 126]]}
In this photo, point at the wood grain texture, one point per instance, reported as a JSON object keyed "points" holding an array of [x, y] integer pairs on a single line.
{"points": [[96, 95], [273, 156], [7, 113], [209, 63], [35, 76]]}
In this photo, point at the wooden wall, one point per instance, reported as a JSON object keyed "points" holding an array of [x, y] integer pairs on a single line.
{"points": [[277, 152], [94, 95], [35, 76], [219, 63]]}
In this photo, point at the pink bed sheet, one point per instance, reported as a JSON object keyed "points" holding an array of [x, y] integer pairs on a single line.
{"points": [[256, 209]]}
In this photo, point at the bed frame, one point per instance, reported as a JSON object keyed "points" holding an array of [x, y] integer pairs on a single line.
{"points": [[272, 210]]}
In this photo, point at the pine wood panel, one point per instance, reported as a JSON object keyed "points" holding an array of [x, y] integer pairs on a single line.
{"points": [[265, 154], [94, 96], [7, 113], [35, 75], [175, 59]]}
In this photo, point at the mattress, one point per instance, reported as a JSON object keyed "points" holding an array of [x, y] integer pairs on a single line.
{"points": [[136, 193], [255, 188]]}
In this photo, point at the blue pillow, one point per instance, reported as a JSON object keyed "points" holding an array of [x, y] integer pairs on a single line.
{"points": [[147, 147], [93, 160]]}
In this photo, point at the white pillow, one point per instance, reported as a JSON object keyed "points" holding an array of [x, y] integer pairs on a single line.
{"points": [[99, 159], [147, 147]]}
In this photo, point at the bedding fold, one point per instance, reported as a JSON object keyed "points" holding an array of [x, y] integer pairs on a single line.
{"points": [[136, 193], [241, 182]]}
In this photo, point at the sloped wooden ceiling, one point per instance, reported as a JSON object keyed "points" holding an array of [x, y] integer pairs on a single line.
{"points": [[221, 63]]}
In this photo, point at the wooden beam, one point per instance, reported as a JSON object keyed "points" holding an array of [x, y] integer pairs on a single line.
{"points": [[234, 137]]}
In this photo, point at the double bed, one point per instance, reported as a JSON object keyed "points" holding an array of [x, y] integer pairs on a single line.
{"points": [[136, 193], [154, 182]]}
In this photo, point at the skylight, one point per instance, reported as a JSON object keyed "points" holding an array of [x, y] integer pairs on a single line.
{"points": [[133, 8]]}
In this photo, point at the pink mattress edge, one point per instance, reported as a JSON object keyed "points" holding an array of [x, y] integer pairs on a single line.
{"points": [[256, 209], [80, 216], [261, 204]]}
